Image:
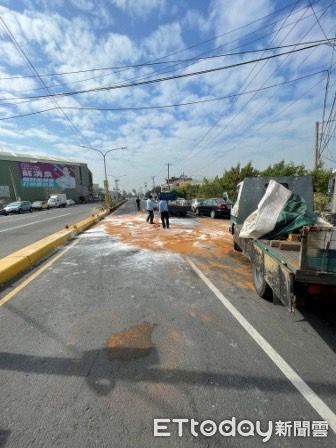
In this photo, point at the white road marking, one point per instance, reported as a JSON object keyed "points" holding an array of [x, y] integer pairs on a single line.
{"points": [[313, 399], [7, 219], [32, 223]]}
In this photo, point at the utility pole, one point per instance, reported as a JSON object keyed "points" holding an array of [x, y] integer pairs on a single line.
{"points": [[153, 179], [168, 165], [316, 146]]}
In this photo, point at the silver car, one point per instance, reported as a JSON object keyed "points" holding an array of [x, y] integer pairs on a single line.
{"points": [[18, 207]]}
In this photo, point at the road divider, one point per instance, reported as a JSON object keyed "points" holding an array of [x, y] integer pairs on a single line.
{"points": [[26, 258]]}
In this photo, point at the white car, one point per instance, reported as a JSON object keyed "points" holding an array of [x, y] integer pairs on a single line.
{"points": [[196, 203], [70, 202]]}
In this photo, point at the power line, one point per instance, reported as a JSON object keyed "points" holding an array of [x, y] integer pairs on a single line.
{"points": [[153, 62], [125, 109], [168, 78], [193, 46], [317, 20], [182, 61], [277, 114], [32, 67], [221, 131], [209, 131]]}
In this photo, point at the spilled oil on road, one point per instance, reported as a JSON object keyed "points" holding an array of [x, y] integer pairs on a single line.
{"points": [[132, 344]]}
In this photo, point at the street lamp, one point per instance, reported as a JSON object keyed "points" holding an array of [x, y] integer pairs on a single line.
{"points": [[104, 154]]}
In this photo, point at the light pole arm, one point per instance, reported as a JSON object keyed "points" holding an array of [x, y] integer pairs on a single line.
{"points": [[104, 154]]}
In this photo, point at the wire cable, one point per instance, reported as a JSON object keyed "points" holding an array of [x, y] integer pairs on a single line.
{"points": [[167, 106], [168, 78]]}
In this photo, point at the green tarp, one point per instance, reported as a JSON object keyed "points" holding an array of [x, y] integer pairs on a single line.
{"points": [[294, 216]]}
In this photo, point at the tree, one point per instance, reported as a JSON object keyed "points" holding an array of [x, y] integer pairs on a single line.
{"points": [[284, 169], [234, 175], [321, 177]]}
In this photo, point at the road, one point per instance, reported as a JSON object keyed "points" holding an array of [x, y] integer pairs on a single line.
{"points": [[17, 231], [132, 322]]}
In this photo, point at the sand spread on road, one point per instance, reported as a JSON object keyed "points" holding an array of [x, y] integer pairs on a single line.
{"points": [[206, 239]]}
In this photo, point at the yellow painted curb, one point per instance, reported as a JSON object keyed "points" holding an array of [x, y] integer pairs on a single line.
{"points": [[20, 261]]}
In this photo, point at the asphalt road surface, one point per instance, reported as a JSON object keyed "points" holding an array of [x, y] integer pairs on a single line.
{"points": [[17, 231], [134, 323]]}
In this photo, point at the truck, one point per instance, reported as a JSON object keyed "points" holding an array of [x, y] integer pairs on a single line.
{"points": [[176, 206], [292, 267], [57, 200], [180, 207]]}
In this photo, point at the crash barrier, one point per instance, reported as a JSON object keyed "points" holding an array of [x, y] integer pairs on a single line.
{"points": [[24, 259]]}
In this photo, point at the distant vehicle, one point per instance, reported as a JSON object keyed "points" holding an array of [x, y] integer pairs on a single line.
{"points": [[214, 207], [18, 207], [70, 202], [57, 200], [3, 204], [195, 203], [180, 207], [40, 205]]}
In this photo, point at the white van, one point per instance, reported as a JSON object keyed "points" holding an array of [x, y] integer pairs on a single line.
{"points": [[57, 200]]}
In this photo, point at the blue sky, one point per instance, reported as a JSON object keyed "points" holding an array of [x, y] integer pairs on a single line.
{"points": [[200, 139]]}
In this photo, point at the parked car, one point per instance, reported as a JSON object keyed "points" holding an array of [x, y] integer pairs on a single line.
{"points": [[195, 203], [3, 204], [18, 207], [70, 202], [40, 205], [214, 207]]}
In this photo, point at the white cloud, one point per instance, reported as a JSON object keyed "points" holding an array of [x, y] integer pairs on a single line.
{"points": [[194, 19], [165, 39], [57, 41], [227, 16], [84, 5], [139, 8]]}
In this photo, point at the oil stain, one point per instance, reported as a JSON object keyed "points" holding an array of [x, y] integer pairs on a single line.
{"points": [[132, 344]]}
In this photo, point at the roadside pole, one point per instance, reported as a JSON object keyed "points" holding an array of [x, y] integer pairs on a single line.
{"points": [[316, 147], [108, 200]]}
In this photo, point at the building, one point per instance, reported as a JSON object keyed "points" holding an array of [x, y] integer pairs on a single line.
{"points": [[35, 177], [175, 182]]}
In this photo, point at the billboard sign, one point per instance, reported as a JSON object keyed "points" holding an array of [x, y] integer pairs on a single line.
{"points": [[47, 175]]}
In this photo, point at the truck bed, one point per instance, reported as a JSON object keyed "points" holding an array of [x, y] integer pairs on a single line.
{"points": [[289, 258]]}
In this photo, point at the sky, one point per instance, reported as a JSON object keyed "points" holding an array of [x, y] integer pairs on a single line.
{"points": [[260, 111]]}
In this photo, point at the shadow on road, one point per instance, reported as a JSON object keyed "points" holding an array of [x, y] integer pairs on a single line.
{"points": [[102, 374], [4, 434], [320, 313]]}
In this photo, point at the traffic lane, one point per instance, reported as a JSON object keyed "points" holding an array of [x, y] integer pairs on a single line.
{"points": [[30, 217], [17, 231], [306, 339], [71, 377]]}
